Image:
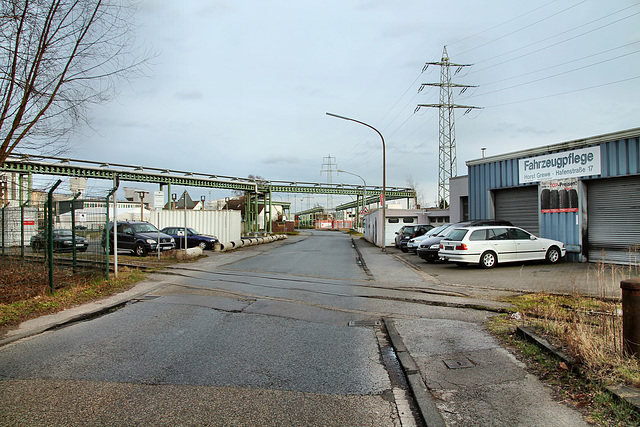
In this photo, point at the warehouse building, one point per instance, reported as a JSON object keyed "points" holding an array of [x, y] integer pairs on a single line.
{"points": [[585, 193]]}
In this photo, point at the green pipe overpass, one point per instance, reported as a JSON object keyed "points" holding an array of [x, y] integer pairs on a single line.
{"points": [[257, 190], [34, 164]]}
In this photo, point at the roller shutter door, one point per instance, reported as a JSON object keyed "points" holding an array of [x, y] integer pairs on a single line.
{"points": [[613, 219], [520, 206]]}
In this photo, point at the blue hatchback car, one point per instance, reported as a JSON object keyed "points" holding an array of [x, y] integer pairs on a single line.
{"points": [[193, 238]]}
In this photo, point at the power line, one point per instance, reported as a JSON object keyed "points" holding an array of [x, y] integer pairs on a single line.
{"points": [[565, 93], [552, 45], [567, 63], [523, 28], [554, 75]]}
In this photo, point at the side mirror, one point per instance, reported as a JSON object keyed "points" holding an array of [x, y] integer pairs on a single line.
{"points": [[532, 237]]}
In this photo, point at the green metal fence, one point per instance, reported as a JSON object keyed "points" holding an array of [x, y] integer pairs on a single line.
{"points": [[49, 243]]}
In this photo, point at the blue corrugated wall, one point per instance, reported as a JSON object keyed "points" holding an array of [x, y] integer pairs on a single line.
{"points": [[619, 158]]}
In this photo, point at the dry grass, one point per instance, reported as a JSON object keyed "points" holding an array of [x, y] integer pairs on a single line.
{"points": [[81, 291], [589, 329]]}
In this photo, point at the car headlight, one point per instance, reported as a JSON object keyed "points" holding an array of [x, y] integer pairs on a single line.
{"points": [[173, 240], [435, 246], [151, 241], [67, 242]]}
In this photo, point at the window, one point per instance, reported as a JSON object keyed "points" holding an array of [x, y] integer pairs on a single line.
{"points": [[394, 220], [478, 235], [497, 234], [456, 235], [124, 228], [518, 234], [407, 220]]}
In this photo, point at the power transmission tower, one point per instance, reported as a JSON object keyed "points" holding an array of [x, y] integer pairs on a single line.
{"points": [[328, 164], [447, 157]]}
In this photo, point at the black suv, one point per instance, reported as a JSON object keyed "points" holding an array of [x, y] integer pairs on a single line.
{"points": [[408, 232], [428, 249], [138, 237]]}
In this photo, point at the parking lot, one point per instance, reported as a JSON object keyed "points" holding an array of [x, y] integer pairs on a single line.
{"points": [[564, 277]]}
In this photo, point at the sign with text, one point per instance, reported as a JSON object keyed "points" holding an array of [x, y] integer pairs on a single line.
{"points": [[566, 164], [559, 195]]}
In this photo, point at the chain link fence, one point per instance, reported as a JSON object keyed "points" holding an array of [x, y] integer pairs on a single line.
{"points": [[48, 241]]}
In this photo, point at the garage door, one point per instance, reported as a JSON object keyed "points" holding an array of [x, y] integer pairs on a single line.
{"points": [[613, 219], [520, 206]]}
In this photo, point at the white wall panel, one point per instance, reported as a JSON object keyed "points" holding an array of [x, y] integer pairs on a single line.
{"points": [[225, 224]]}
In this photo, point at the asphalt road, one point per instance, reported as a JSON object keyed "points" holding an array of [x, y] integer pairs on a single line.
{"points": [[261, 336], [256, 343]]}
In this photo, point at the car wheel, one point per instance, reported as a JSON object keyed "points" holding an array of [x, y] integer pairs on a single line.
{"points": [[553, 255], [140, 250], [203, 245], [404, 249], [488, 260]]}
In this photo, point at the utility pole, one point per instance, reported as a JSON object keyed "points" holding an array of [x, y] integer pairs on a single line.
{"points": [[447, 158], [328, 164]]}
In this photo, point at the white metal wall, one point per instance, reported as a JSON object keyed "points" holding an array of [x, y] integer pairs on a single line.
{"points": [[224, 224]]}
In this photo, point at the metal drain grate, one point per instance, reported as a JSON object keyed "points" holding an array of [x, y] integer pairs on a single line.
{"points": [[458, 363], [364, 323]]}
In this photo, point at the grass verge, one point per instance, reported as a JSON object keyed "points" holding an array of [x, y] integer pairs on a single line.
{"points": [[80, 292], [588, 329]]}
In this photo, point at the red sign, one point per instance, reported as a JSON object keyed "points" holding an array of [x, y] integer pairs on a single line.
{"points": [[28, 222]]}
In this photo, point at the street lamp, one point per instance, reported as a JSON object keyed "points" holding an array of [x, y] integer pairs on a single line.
{"points": [[364, 191], [384, 173]]}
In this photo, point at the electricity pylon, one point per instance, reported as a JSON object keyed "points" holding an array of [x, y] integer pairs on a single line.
{"points": [[448, 162], [328, 164]]}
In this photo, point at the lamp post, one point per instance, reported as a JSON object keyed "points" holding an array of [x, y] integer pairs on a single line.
{"points": [[384, 172], [364, 192]]}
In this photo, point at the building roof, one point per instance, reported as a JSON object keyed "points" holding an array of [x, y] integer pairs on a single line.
{"points": [[563, 146]]}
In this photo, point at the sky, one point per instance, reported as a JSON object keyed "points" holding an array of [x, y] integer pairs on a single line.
{"points": [[241, 87]]}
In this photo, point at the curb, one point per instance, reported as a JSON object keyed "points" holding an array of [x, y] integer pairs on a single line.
{"points": [[426, 405], [78, 317], [361, 261], [630, 395]]}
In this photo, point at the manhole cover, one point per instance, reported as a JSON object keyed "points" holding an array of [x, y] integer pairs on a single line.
{"points": [[461, 362], [364, 323]]}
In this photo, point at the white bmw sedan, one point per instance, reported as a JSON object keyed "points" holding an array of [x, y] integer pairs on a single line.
{"points": [[489, 245]]}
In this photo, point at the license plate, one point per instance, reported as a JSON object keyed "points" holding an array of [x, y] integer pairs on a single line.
{"points": [[79, 244], [449, 248]]}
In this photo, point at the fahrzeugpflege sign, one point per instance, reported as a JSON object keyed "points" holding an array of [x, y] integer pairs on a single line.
{"points": [[565, 164]]}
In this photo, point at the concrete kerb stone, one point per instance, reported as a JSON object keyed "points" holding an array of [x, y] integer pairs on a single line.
{"points": [[422, 396]]}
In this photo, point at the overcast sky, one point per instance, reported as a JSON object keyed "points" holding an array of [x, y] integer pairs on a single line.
{"points": [[242, 87]]}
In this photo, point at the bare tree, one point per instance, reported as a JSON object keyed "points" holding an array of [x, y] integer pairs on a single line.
{"points": [[56, 58], [412, 185]]}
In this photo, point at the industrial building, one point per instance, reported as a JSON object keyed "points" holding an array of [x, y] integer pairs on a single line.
{"points": [[585, 193]]}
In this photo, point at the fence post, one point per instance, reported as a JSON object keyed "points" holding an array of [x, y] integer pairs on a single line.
{"points": [[631, 316], [50, 233], [106, 226], [3, 208]]}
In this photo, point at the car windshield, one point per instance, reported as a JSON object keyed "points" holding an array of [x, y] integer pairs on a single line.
{"points": [[144, 228], [457, 234], [444, 231], [435, 231], [62, 232], [192, 232], [408, 229]]}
